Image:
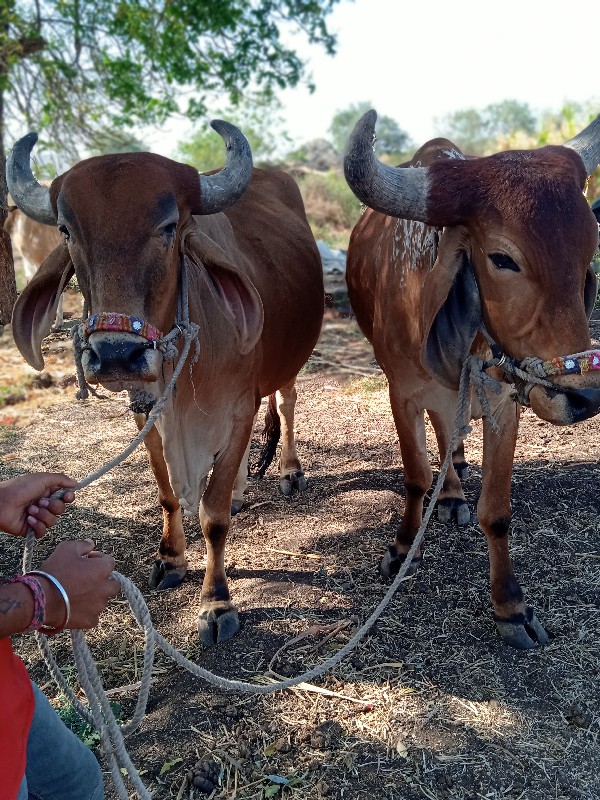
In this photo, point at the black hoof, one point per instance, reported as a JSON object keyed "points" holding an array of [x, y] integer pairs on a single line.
{"points": [[522, 631], [293, 481], [453, 508], [217, 625], [236, 507], [391, 563], [163, 576], [462, 470]]}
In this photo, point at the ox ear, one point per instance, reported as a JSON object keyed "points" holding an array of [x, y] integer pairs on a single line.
{"points": [[453, 316], [234, 294], [590, 292], [35, 309]]}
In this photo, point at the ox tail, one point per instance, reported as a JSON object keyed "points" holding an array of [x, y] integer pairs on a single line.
{"points": [[270, 436]]}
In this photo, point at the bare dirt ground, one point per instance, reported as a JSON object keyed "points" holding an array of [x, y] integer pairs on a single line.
{"points": [[431, 704]]}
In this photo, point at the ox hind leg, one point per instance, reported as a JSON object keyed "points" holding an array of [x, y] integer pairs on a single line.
{"points": [[291, 474], [410, 426], [279, 424], [241, 481], [451, 503], [170, 565], [218, 619]]}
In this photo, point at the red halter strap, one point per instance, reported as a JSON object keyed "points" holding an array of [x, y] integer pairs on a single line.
{"points": [[112, 321]]}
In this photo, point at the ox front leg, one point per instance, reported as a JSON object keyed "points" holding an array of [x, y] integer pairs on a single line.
{"points": [[291, 475], [218, 616], [410, 426], [516, 621], [171, 564]]}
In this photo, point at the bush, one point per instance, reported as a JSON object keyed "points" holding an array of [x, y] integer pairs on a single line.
{"points": [[331, 208]]}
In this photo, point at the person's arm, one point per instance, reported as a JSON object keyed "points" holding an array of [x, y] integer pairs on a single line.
{"points": [[84, 574], [16, 608], [25, 502]]}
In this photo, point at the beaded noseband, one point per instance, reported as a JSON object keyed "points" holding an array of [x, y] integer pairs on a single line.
{"points": [[112, 321]]}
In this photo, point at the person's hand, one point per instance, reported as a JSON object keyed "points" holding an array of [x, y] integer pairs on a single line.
{"points": [[84, 574], [25, 502]]}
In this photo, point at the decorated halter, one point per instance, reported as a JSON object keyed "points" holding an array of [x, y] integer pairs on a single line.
{"points": [[534, 370], [124, 323], [112, 321]]}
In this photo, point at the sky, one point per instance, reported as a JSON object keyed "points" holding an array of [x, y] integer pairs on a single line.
{"points": [[415, 61]]}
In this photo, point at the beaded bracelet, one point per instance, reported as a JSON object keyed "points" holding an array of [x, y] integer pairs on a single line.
{"points": [[39, 600], [46, 629], [38, 622]]}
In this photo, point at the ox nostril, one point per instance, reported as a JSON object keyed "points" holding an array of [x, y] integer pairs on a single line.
{"points": [[583, 403], [121, 357]]}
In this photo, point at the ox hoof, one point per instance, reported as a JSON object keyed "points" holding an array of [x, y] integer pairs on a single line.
{"points": [[164, 576], [450, 508], [236, 507], [462, 470], [522, 631], [391, 563], [217, 623], [293, 480]]}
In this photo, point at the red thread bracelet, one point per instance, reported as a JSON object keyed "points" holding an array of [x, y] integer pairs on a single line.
{"points": [[38, 621]]}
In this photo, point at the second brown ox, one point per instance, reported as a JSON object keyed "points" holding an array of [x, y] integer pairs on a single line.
{"points": [[455, 252], [139, 229]]}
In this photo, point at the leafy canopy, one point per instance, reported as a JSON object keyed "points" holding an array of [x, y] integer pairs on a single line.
{"points": [[259, 119], [390, 137], [70, 66]]}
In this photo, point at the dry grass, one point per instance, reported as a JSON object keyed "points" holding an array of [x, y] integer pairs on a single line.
{"points": [[445, 709]]}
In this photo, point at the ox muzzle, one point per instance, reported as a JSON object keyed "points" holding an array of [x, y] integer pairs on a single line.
{"points": [[563, 405], [120, 352], [562, 390]]}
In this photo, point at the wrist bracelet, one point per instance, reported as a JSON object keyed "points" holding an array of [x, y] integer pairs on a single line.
{"points": [[39, 600], [45, 628]]}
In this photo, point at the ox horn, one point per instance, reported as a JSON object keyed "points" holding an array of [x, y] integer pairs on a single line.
{"points": [[587, 145], [397, 192], [31, 197], [219, 191]]}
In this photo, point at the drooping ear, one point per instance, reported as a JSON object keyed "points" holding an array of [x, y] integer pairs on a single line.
{"points": [[234, 294], [35, 309], [590, 291], [452, 312]]}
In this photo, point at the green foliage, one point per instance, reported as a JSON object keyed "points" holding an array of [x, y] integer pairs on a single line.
{"points": [[107, 141], [69, 67], [331, 208], [390, 137], [511, 124], [260, 122], [70, 716]]}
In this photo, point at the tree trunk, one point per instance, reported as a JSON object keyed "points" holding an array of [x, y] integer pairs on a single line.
{"points": [[8, 284]]}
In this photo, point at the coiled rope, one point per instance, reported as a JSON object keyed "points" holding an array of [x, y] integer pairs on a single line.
{"points": [[100, 715]]}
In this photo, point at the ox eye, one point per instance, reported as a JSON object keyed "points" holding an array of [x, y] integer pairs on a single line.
{"points": [[169, 231], [502, 261], [65, 232]]}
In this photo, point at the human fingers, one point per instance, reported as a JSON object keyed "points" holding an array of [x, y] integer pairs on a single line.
{"points": [[40, 529]]}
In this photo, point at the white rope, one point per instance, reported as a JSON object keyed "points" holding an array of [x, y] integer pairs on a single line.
{"points": [[100, 715]]}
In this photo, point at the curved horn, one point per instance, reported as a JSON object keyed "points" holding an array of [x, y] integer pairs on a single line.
{"points": [[587, 145], [397, 192], [222, 189], [31, 197]]}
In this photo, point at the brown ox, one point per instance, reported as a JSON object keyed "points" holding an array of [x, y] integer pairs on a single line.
{"points": [[32, 242], [454, 245], [255, 291]]}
